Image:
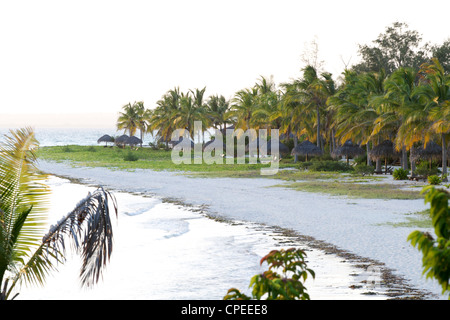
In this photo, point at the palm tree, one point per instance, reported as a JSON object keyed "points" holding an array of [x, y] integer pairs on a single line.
{"points": [[201, 109], [355, 117], [129, 119], [27, 254], [437, 92], [218, 109], [291, 113], [243, 106], [188, 112], [266, 103], [162, 118], [314, 92], [403, 97], [143, 116]]}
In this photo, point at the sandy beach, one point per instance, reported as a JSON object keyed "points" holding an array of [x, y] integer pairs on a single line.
{"points": [[356, 227]]}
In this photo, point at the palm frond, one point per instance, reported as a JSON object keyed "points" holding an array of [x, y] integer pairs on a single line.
{"points": [[89, 226]]}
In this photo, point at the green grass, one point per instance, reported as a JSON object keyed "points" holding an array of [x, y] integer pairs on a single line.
{"points": [[333, 183], [415, 220], [355, 190], [99, 156]]}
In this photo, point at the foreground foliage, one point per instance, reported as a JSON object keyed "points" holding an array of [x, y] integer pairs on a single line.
{"points": [[287, 285], [436, 252], [27, 254]]}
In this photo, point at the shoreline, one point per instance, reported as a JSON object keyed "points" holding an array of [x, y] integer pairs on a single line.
{"points": [[231, 199]]}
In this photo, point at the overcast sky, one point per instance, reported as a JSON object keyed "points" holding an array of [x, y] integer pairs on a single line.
{"points": [[95, 56]]}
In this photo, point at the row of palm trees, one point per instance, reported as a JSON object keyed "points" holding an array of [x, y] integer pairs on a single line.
{"points": [[409, 107]]}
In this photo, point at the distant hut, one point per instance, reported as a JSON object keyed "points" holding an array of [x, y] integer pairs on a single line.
{"points": [[106, 138], [133, 141], [384, 150], [209, 142], [224, 131], [282, 148], [121, 141], [183, 142], [432, 151], [349, 150], [306, 148]]}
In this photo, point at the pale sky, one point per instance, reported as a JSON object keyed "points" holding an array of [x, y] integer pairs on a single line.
{"points": [[95, 56]]}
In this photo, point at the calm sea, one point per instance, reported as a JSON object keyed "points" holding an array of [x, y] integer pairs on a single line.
{"points": [[73, 136], [78, 136]]}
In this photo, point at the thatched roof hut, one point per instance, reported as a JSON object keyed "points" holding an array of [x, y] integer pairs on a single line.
{"points": [[106, 138], [282, 148], [133, 141], [306, 148], [209, 142], [384, 150], [432, 151], [349, 150], [183, 142], [224, 131], [121, 141]]}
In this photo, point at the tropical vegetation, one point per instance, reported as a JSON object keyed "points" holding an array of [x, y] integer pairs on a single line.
{"points": [[399, 92], [27, 253], [436, 252], [284, 279]]}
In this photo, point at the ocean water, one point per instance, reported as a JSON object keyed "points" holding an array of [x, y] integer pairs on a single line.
{"points": [[166, 251], [70, 136], [78, 136]]}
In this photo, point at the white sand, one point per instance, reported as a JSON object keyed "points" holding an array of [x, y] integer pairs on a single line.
{"points": [[359, 226]]}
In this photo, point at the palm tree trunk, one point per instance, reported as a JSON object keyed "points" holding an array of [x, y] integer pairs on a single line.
{"points": [[333, 140], [404, 158], [295, 145], [378, 165], [413, 163], [444, 159], [369, 162], [319, 142]]}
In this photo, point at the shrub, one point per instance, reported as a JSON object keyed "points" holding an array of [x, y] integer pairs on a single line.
{"points": [[330, 165], [364, 169], [285, 286], [130, 156], [360, 160], [434, 180], [66, 149], [423, 169], [400, 174], [436, 252]]}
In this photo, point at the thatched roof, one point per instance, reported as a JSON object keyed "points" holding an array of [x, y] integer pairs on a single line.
{"points": [[348, 149], [306, 148], [282, 148], [122, 139], [132, 141], [105, 138], [430, 152], [183, 142], [383, 150], [284, 136], [209, 142]]}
